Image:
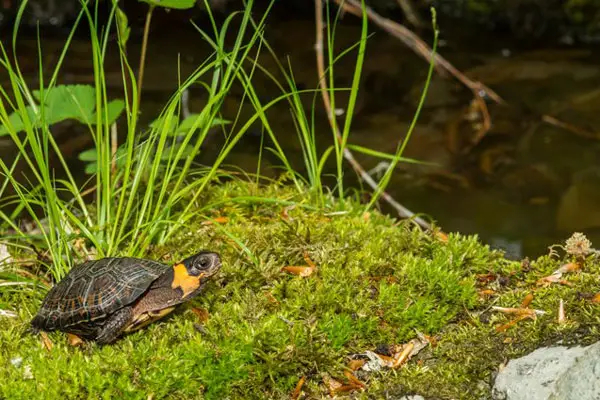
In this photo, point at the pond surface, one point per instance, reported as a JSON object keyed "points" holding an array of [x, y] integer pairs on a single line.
{"points": [[526, 185]]}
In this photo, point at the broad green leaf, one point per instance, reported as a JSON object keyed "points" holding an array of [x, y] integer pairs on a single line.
{"points": [[88, 155], [17, 122], [65, 102], [123, 27], [177, 4], [113, 110], [68, 102], [91, 168]]}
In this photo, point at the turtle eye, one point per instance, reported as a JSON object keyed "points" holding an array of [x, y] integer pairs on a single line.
{"points": [[204, 262]]}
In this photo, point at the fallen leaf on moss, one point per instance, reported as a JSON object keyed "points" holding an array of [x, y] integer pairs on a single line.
{"points": [[356, 364], [300, 271], [298, 390], [401, 354], [46, 342], [527, 300], [554, 278], [308, 261], [74, 340], [570, 267], [486, 293], [353, 380], [521, 317], [217, 220], [405, 355], [518, 311], [334, 386], [596, 298], [522, 312]]}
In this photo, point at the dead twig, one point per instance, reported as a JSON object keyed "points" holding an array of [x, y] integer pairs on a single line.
{"points": [[402, 211]]}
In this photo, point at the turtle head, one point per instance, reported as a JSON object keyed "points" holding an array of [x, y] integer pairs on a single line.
{"points": [[203, 264], [190, 274]]}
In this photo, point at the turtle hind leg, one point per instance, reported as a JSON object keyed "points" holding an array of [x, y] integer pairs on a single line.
{"points": [[114, 326]]}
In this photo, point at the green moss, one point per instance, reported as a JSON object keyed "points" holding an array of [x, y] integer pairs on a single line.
{"points": [[376, 283]]}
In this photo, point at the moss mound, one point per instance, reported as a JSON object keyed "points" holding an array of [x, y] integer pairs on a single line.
{"points": [[376, 283]]}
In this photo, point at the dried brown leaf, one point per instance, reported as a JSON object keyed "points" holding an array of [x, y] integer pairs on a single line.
{"points": [[308, 261], [298, 390], [217, 220], [566, 268], [46, 342], [74, 340], [527, 300], [353, 380], [334, 386], [517, 311], [404, 356], [356, 364], [554, 278], [508, 325], [300, 271]]}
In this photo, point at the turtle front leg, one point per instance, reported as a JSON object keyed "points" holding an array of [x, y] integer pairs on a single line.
{"points": [[114, 326]]}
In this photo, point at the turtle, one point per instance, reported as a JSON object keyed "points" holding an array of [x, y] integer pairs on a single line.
{"points": [[102, 299]]}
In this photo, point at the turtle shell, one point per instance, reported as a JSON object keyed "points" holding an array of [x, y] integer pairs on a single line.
{"points": [[94, 290]]}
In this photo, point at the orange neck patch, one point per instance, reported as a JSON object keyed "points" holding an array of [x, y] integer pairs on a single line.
{"points": [[183, 280]]}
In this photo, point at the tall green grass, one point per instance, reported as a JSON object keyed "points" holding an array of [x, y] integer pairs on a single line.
{"points": [[150, 195], [149, 188]]}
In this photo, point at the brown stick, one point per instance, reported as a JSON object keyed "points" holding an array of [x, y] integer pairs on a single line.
{"points": [[402, 211]]}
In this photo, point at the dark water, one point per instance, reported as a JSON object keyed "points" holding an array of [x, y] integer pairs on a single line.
{"points": [[525, 186]]}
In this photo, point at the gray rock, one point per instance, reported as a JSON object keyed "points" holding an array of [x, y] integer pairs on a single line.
{"points": [[552, 373], [582, 380]]}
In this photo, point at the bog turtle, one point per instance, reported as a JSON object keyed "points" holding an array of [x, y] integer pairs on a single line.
{"points": [[100, 300]]}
